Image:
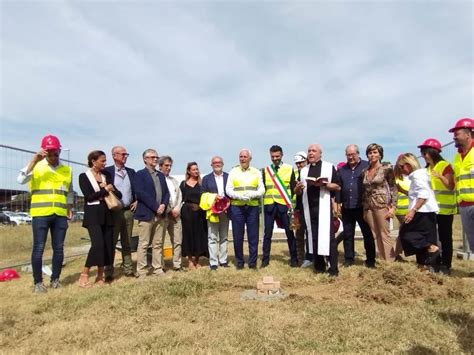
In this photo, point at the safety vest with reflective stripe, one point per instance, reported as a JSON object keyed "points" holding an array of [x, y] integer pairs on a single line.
{"points": [[464, 173], [49, 188], [445, 198], [271, 192], [245, 181], [402, 202]]}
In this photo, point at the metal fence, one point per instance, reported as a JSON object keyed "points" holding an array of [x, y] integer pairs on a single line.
{"points": [[15, 197]]}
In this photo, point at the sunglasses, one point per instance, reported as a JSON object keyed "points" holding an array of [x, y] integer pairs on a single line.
{"points": [[123, 154]]}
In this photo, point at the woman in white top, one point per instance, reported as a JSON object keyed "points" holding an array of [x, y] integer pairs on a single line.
{"points": [[418, 232]]}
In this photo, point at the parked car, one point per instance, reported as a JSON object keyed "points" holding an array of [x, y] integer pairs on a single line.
{"points": [[26, 217], [4, 219], [16, 218]]}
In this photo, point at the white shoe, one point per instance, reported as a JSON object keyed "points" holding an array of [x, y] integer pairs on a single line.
{"points": [[307, 263]]}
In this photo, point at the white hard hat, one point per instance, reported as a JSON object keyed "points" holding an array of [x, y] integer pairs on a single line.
{"points": [[300, 157]]}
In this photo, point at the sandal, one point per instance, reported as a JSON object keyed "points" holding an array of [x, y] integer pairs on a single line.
{"points": [[99, 281], [84, 284]]}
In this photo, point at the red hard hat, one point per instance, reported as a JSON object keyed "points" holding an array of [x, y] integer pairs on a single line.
{"points": [[9, 274], [220, 205], [431, 143], [50, 142], [463, 123]]}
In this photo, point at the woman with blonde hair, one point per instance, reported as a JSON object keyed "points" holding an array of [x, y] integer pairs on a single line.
{"points": [[379, 198], [193, 218], [418, 232]]}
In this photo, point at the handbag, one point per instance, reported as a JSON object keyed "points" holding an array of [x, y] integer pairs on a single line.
{"points": [[112, 201]]}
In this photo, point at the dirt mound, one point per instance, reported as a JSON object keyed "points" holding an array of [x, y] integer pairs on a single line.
{"points": [[400, 283]]}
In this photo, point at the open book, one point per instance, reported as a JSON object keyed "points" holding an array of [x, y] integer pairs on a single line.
{"points": [[319, 181]]}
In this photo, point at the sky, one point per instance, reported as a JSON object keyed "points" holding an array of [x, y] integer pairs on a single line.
{"points": [[193, 79]]}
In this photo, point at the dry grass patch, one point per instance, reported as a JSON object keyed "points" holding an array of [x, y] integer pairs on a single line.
{"points": [[394, 308]]}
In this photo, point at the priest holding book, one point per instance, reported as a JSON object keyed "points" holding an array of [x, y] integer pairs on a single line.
{"points": [[319, 182]]}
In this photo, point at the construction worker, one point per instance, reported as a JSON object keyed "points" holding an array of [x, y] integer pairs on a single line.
{"points": [[304, 258], [245, 187], [279, 181], [463, 166], [442, 183], [51, 206]]}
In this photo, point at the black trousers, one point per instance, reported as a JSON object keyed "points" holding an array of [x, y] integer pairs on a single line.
{"points": [[319, 261], [445, 233], [351, 216], [100, 253]]}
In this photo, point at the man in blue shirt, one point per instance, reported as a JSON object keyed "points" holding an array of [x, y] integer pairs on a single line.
{"points": [[350, 199]]}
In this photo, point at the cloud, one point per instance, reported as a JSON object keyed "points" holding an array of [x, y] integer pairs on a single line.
{"points": [[198, 79]]}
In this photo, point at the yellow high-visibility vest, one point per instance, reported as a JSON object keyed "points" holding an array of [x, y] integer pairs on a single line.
{"points": [[49, 189], [402, 201], [445, 198], [245, 181], [464, 173], [271, 192]]}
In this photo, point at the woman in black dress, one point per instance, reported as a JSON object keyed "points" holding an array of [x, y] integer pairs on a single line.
{"points": [[193, 218], [95, 184]]}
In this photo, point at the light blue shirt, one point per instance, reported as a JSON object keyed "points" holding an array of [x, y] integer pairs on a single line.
{"points": [[122, 183]]}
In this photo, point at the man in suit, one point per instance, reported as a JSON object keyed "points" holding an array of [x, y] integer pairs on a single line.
{"points": [[172, 219], [122, 179], [215, 182], [153, 198]]}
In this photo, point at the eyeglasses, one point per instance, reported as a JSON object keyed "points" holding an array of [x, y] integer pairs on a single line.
{"points": [[216, 162], [152, 157], [167, 165], [123, 154]]}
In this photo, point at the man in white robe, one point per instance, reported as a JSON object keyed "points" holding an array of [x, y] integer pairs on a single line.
{"points": [[319, 182]]}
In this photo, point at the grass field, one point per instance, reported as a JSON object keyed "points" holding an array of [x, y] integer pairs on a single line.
{"points": [[394, 308]]}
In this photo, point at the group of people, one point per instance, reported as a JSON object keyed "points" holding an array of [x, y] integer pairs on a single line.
{"points": [[306, 201]]}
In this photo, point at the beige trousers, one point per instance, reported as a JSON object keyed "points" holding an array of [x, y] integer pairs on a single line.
{"points": [[176, 237], [381, 230], [150, 232]]}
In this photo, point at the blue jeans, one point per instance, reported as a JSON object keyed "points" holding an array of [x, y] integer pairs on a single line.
{"points": [[241, 216], [58, 227]]}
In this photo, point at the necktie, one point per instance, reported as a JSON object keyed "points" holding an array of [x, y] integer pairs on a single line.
{"points": [[122, 173]]}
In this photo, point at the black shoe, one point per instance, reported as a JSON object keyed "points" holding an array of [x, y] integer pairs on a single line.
{"points": [[433, 259], [224, 265], [370, 265], [294, 264], [445, 270], [264, 264], [213, 267], [333, 273], [239, 266], [399, 259], [109, 279], [177, 269], [253, 267], [348, 263]]}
